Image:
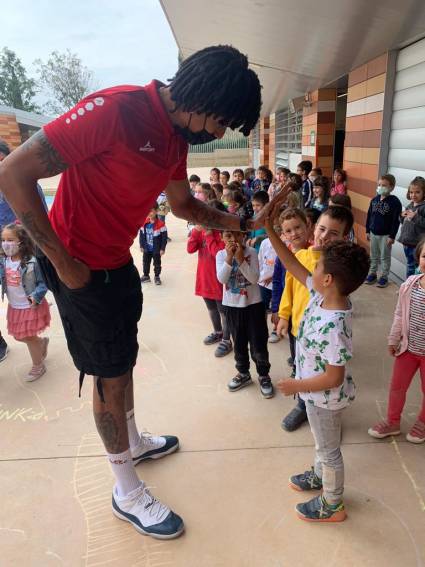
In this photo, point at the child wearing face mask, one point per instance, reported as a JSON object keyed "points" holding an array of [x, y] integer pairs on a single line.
{"points": [[22, 282], [383, 220], [413, 223]]}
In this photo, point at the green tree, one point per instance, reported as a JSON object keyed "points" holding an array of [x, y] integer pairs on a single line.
{"points": [[16, 89], [64, 80]]}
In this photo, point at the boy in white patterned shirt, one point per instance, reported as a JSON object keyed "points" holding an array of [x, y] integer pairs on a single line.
{"points": [[324, 346]]}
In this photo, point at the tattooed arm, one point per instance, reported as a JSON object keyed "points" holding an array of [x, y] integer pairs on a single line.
{"points": [[19, 173], [185, 206]]}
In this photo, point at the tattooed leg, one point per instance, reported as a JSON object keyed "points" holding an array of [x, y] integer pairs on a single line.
{"points": [[110, 417]]}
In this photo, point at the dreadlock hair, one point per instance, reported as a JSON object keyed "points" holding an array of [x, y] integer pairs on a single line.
{"points": [[217, 81], [26, 245]]}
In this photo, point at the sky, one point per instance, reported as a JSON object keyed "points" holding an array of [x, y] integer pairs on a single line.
{"points": [[122, 42]]}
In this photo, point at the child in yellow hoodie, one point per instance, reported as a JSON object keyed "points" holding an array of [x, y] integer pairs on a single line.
{"points": [[334, 224]]}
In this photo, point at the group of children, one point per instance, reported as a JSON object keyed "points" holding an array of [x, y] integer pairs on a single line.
{"points": [[304, 270]]}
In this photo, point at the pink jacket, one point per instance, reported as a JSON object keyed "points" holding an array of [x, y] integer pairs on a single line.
{"points": [[399, 333]]}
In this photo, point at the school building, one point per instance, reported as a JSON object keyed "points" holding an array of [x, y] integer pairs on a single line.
{"points": [[16, 126], [343, 85]]}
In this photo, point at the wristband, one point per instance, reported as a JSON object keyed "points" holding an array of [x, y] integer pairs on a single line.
{"points": [[243, 223]]}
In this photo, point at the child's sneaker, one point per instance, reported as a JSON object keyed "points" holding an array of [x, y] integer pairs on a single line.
{"points": [[274, 337], [157, 280], [382, 282], [306, 481], [223, 348], [147, 514], [290, 361], [318, 510], [4, 349], [35, 373], [266, 386], [145, 279], [239, 381], [384, 429], [371, 279], [213, 338], [417, 433]]}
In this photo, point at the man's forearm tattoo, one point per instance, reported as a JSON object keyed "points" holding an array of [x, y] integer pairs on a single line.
{"points": [[211, 218], [40, 238], [46, 153], [109, 431]]}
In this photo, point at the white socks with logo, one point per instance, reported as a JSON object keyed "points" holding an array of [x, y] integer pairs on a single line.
{"points": [[124, 472], [133, 434]]}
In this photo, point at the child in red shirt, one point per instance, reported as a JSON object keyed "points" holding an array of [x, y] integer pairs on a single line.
{"points": [[207, 243]]}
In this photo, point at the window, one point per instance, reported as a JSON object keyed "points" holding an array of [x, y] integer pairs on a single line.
{"points": [[289, 127]]}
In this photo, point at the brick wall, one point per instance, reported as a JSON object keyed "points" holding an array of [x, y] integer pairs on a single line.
{"points": [[319, 130], [365, 104], [9, 130]]}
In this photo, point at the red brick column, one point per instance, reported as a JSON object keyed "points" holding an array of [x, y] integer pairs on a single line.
{"points": [[9, 131]]}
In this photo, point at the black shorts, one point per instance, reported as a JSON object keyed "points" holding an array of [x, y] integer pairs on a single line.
{"points": [[100, 319]]}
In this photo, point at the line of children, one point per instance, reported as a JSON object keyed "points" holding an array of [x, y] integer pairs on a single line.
{"points": [[28, 313]]}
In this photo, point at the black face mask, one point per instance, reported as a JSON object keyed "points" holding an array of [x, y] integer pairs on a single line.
{"points": [[195, 138]]}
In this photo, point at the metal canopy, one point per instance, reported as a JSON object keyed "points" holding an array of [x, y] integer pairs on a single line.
{"points": [[297, 45]]}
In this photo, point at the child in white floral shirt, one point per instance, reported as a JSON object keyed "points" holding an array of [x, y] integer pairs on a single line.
{"points": [[324, 347]]}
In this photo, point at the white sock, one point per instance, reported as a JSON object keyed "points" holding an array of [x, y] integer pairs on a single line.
{"points": [[124, 472], [133, 434]]}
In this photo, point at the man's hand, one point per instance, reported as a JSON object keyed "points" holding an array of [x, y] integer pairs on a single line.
{"points": [[74, 274], [282, 327], [390, 241], [392, 349], [288, 386], [239, 254]]}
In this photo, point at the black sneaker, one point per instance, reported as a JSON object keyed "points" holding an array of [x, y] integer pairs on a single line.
{"points": [[239, 381], [295, 418], [306, 481], [145, 279], [382, 282], [213, 338], [157, 280], [266, 386], [4, 349], [224, 347]]}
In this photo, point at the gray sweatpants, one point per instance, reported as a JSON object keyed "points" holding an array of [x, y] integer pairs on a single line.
{"points": [[380, 255], [325, 425]]}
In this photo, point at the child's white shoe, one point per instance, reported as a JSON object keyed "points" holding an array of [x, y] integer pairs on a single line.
{"points": [[35, 373]]}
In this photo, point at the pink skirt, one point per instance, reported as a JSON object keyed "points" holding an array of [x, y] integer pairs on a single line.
{"points": [[23, 323]]}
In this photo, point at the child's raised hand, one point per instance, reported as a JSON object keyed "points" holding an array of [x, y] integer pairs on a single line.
{"points": [[287, 386]]}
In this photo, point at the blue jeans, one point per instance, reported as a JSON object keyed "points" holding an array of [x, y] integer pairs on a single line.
{"points": [[409, 252]]}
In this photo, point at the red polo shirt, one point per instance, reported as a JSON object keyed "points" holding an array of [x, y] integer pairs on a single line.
{"points": [[122, 151]]}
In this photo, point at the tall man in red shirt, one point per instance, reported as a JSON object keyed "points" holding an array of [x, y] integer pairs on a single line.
{"points": [[118, 149]]}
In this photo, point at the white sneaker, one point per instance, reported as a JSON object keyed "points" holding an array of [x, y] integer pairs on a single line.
{"points": [[274, 337], [147, 514], [151, 447], [35, 373]]}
